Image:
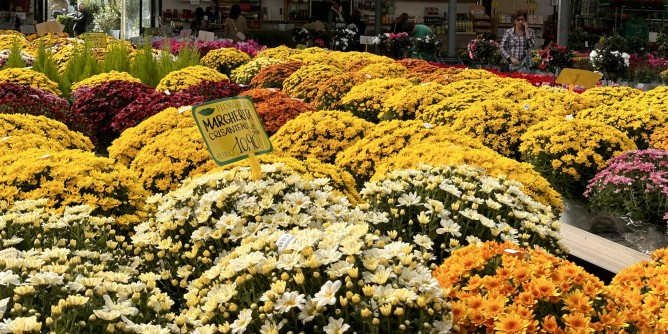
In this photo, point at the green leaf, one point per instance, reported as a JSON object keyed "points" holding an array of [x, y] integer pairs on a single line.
{"points": [[206, 111]]}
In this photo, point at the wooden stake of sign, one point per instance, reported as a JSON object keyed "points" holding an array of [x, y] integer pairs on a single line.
{"points": [[572, 77], [256, 169]]}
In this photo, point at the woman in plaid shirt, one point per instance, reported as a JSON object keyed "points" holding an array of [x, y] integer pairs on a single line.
{"points": [[517, 42]]}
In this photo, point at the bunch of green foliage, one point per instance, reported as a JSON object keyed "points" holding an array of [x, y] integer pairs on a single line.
{"points": [[116, 59], [68, 23], [83, 65], [14, 59], [44, 63], [145, 67]]}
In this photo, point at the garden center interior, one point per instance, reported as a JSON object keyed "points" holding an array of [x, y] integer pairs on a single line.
{"points": [[282, 15]]}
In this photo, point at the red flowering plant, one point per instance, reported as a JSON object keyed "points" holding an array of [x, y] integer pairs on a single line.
{"points": [[214, 90], [634, 185], [555, 56], [250, 47], [482, 50], [273, 76], [150, 104], [275, 112], [19, 99], [101, 103], [394, 42]]}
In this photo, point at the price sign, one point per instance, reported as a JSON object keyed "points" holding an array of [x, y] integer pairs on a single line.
{"points": [[96, 40], [231, 129]]}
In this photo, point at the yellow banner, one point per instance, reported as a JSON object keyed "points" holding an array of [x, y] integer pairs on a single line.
{"points": [[231, 129]]}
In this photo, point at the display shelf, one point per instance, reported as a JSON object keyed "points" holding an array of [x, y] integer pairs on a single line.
{"points": [[298, 11]]}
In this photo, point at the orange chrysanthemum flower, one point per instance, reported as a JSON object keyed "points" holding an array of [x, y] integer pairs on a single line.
{"points": [[511, 324]]}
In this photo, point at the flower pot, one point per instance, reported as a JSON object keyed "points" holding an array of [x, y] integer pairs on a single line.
{"points": [[645, 86], [644, 237]]}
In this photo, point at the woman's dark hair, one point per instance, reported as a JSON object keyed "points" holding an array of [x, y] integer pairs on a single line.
{"points": [[235, 11], [402, 18], [199, 13], [520, 12]]}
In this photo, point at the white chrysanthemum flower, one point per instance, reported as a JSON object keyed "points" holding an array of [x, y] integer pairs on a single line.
{"points": [[3, 306], [113, 310], [20, 325], [409, 199], [327, 294], [339, 269], [380, 276], [244, 319], [9, 278], [449, 226], [351, 246], [290, 300], [46, 278], [14, 240], [450, 188], [201, 234], [308, 311], [423, 241], [206, 329], [336, 326], [270, 327], [328, 255]]}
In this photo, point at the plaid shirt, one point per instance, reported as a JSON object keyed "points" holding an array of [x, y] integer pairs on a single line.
{"points": [[513, 45]]}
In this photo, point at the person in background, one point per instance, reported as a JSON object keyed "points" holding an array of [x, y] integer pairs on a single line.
{"points": [[398, 25], [198, 23], [80, 20], [516, 44], [417, 31], [356, 19], [215, 12], [335, 17], [235, 25]]}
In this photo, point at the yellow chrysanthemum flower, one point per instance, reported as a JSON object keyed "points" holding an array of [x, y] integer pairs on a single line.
{"points": [[366, 100], [28, 77], [187, 77], [498, 124], [386, 139], [125, 148], [570, 152], [104, 77], [321, 135], [18, 125], [225, 59], [637, 122], [303, 83]]}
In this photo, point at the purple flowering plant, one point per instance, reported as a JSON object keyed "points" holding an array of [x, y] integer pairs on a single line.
{"points": [[634, 185]]}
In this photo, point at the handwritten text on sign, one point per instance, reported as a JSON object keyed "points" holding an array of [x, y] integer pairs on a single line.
{"points": [[96, 40], [231, 129]]}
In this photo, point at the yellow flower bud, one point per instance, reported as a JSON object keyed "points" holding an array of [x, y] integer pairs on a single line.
{"points": [[386, 310], [368, 290]]}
